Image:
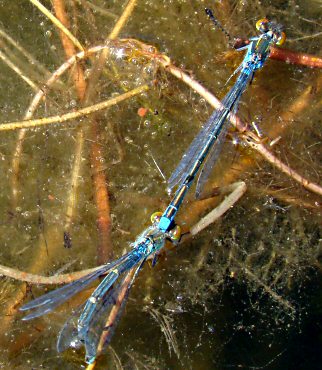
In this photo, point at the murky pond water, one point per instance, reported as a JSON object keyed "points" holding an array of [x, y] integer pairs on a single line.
{"points": [[244, 293]]}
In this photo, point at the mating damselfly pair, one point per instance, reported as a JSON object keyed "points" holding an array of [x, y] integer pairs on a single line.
{"points": [[200, 157]]}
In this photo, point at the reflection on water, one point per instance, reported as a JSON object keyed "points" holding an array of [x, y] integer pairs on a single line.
{"points": [[246, 292]]}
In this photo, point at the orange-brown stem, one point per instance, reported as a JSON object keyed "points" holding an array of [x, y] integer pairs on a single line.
{"points": [[104, 225], [104, 249], [292, 57], [78, 74]]}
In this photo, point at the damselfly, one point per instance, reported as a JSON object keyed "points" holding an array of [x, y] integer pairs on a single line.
{"points": [[88, 327], [206, 146]]}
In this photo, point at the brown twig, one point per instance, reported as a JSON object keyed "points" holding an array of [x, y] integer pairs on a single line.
{"points": [[261, 149], [44, 280], [293, 57], [236, 191]]}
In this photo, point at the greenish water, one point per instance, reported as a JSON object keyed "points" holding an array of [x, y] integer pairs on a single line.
{"points": [[224, 297]]}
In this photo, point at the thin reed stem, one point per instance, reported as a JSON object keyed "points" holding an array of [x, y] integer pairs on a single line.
{"points": [[43, 280], [35, 123], [237, 190], [18, 71], [57, 23]]}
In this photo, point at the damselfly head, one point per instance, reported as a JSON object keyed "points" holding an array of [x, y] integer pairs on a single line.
{"points": [[265, 26]]}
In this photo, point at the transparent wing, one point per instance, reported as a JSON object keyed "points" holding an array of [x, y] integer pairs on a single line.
{"points": [[96, 300], [68, 336], [48, 302], [221, 133], [189, 155], [98, 323], [212, 128], [211, 160]]}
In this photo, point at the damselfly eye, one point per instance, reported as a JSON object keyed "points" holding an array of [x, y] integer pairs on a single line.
{"points": [[280, 39], [155, 217], [175, 233], [262, 25]]}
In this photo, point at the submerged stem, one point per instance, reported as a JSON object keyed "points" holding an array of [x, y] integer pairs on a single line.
{"points": [[35, 123]]}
